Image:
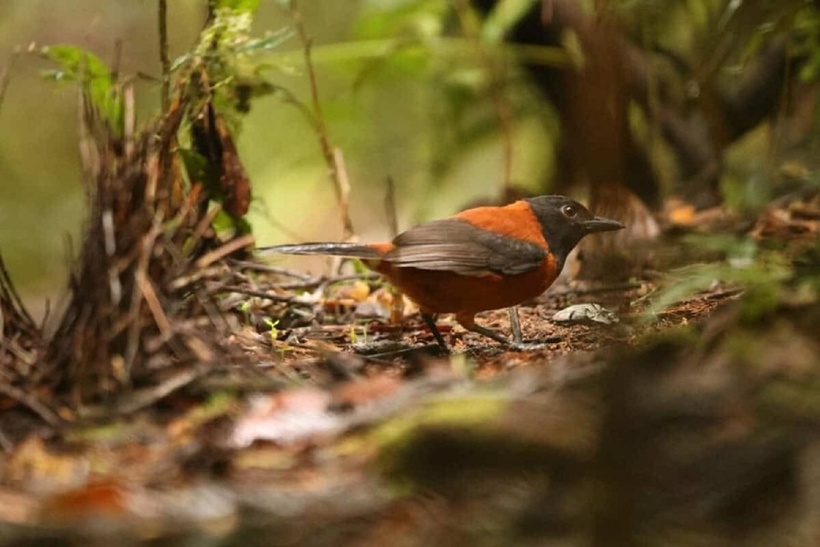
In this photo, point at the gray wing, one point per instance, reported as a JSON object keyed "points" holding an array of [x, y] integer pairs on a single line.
{"points": [[458, 246]]}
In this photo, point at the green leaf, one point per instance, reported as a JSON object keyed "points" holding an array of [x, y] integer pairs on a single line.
{"points": [[227, 226], [247, 6], [74, 60], [268, 42], [195, 165], [762, 279], [503, 17], [79, 65]]}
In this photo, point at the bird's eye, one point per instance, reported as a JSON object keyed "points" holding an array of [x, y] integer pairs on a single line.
{"points": [[569, 211]]}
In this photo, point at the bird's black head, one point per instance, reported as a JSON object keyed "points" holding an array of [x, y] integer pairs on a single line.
{"points": [[564, 222]]}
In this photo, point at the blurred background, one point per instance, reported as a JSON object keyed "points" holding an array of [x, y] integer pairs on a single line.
{"points": [[423, 92], [384, 115]]}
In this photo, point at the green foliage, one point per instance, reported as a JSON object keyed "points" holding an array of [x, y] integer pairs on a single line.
{"points": [[223, 76], [195, 164], [226, 225], [738, 251], [416, 20], [239, 6], [459, 59], [232, 41], [503, 17], [273, 330], [78, 65], [807, 42], [767, 277], [229, 57]]}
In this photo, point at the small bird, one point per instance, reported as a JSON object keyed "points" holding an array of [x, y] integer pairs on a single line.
{"points": [[480, 259]]}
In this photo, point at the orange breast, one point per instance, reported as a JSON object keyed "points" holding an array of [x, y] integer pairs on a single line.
{"points": [[448, 292]]}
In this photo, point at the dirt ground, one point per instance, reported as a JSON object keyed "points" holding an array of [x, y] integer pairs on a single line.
{"points": [[686, 424]]}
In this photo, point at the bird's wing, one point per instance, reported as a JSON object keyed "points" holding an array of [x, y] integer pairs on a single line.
{"points": [[457, 246]]}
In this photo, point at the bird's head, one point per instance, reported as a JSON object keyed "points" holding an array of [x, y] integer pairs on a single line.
{"points": [[564, 222]]}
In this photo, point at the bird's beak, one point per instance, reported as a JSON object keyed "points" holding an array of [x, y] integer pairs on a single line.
{"points": [[599, 224]]}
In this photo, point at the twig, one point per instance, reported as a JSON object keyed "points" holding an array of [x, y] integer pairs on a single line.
{"points": [[178, 220], [151, 298], [185, 280], [343, 190], [390, 207], [165, 61], [48, 415], [9, 288], [116, 61], [129, 119], [397, 305], [27, 358], [5, 75], [325, 280], [380, 357], [265, 294], [245, 265], [333, 159], [146, 397], [209, 258], [212, 310], [140, 269], [166, 158], [204, 223]]}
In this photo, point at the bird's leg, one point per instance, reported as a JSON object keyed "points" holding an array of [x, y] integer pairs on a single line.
{"points": [[430, 321], [515, 325], [468, 322]]}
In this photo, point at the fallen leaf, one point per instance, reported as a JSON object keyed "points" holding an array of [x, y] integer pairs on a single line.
{"points": [[286, 418]]}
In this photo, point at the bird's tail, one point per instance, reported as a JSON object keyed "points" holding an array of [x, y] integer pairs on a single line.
{"points": [[351, 250]]}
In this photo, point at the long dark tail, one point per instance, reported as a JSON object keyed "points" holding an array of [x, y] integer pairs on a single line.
{"points": [[352, 250]]}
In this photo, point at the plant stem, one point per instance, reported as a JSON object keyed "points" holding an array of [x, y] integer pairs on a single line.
{"points": [[332, 156]]}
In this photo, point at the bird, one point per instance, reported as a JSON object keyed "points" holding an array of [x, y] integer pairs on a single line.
{"points": [[480, 259]]}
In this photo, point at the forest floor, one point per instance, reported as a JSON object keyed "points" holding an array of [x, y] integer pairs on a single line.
{"points": [[688, 424]]}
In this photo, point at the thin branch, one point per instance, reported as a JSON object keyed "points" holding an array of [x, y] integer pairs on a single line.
{"points": [[5, 75], [143, 398], [149, 294], [397, 304], [129, 119], [270, 269], [164, 59], [146, 247], [390, 208], [342, 190], [16, 301], [204, 223], [233, 245], [32, 403], [292, 299], [332, 158]]}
